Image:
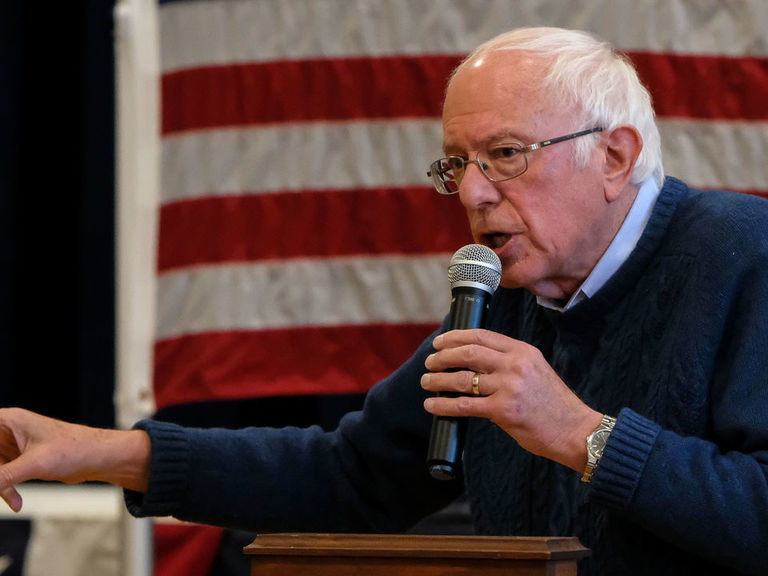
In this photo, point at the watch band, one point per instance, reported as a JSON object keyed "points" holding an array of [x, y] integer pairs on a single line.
{"points": [[596, 444]]}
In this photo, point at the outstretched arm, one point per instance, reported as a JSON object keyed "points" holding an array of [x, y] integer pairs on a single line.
{"points": [[35, 447]]}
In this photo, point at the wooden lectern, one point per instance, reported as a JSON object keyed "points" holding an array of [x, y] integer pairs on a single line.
{"points": [[412, 555]]}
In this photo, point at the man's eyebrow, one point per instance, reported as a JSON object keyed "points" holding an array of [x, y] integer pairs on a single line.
{"points": [[495, 138]]}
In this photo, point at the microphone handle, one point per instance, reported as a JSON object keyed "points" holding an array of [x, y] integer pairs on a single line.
{"points": [[469, 307]]}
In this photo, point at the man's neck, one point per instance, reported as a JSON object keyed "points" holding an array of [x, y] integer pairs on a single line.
{"points": [[624, 241]]}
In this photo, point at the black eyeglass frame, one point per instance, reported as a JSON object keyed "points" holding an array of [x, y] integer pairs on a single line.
{"points": [[436, 174]]}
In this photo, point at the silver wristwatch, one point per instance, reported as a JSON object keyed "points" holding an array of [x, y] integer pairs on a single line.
{"points": [[596, 444]]}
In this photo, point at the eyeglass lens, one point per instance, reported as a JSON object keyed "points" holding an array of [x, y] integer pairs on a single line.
{"points": [[498, 163]]}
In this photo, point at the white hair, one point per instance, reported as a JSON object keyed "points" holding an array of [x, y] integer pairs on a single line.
{"points": [[592, 75]]}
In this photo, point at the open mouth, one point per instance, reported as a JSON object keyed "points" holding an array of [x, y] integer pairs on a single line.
{"points": [[496, 240]]}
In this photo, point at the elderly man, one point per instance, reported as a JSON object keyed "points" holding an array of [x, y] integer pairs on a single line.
{"points": [[618, 393]]}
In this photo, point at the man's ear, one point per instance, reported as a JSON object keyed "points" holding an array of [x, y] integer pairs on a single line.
{"points": [[623, 146]]}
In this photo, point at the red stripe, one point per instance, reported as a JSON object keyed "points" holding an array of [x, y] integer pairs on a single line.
{"points": [[309, 224], [304, 91], [305, 360], [184, 549], [707, 87]]}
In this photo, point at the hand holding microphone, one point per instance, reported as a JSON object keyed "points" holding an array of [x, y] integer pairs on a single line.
{"points": [[474, 274], [515, 386]]}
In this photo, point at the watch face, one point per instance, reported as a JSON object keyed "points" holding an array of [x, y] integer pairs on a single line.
{"points": [[597, 441]]}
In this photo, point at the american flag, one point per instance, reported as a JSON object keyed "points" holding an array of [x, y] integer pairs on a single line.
{"points": [[302, 249]]}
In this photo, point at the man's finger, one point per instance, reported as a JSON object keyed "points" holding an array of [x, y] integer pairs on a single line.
{"points": [[479, 336], [457, 407], [11, 474], [12, 498]]}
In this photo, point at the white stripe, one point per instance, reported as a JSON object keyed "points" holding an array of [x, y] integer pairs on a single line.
{"points": [[208, 33], [299, 157], [284, 294], [371, 154], [717, 154], [84, 502]]}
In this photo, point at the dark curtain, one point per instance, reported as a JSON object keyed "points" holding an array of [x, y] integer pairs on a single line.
{"points": [[57, 208]]}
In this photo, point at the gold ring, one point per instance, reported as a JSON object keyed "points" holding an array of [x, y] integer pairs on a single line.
{"points": [[476, 385]]}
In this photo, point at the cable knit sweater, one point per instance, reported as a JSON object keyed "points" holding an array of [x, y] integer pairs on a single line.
{"points": [[675, 345]]}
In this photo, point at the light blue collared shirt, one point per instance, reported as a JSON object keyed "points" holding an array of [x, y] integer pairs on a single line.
{"points": [[618, 251]]}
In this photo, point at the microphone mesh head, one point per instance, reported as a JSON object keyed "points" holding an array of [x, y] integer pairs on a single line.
{"points": [[475, 265]]}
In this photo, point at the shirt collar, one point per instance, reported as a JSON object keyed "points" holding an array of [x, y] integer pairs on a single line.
{"points": [[618, 251]]}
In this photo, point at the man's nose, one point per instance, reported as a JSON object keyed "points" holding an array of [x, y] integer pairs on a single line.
{"points": [[476, 189]]}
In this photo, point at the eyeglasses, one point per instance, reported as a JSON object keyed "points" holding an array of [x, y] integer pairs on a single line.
{"points": [[499, 163]]}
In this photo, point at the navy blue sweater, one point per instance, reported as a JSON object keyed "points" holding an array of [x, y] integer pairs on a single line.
{"points": [[675, 344]]}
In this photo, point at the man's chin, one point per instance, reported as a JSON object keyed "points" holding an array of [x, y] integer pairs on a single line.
{"points": [[515, 270], [520, 275]]}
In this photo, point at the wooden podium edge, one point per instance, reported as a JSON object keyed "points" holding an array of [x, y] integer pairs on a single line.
{"points": [[418, 546]]}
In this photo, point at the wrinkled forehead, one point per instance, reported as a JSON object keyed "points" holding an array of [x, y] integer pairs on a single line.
{"points": [[498, 94]]}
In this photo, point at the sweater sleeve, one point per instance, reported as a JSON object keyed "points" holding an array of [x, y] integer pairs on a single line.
{"points": [[367, 475], [707, 492], [687, 491]]}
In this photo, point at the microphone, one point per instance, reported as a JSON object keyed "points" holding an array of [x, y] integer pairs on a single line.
{"points": [[474, 274]]}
